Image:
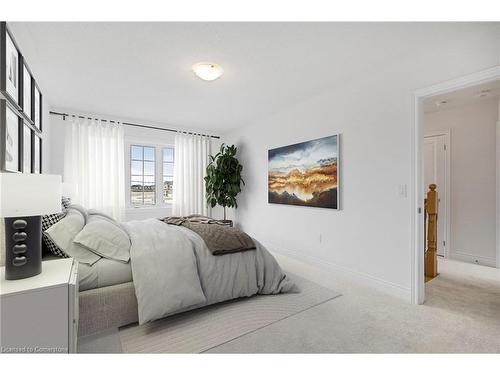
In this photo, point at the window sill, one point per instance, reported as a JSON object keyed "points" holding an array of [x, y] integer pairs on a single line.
{"points": [[148, 208]]}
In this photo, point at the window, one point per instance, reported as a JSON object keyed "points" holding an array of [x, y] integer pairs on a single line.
{"points": [[142, 176], [151, 175], [168, 174]]}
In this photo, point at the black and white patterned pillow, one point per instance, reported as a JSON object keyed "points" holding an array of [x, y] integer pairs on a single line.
{"points": [[48, 221], [65, 202]]}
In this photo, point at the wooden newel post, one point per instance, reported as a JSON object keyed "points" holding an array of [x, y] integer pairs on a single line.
{"points": [[431, 208]]}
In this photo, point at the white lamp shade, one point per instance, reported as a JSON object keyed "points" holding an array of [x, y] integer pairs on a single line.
{"points": [[29, 194]]}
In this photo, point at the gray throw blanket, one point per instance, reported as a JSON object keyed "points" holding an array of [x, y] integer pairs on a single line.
{"points": [[219, 238]]}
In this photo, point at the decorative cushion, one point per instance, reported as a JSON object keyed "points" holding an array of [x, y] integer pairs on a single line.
{"points": [[105, 237], [65, 202], [48, 221], [63, 233]]}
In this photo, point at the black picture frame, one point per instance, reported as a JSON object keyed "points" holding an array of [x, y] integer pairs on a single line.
{"points": [[10, 147], [26, 152], [7, 42], [27, 148], [37, 112], [36, 153], [27, 83]]}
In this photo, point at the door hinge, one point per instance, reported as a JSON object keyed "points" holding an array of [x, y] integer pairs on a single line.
{"points": [[444, 243], [420, 210], [445, 147]]}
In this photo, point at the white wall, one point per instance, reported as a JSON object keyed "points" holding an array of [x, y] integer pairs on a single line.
{"points": [[369, 238], [132, 135], [473, 178]]}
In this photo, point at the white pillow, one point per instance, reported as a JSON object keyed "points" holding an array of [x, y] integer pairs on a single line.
{"points": [[93, 211], [105, 237], [63, 233]]}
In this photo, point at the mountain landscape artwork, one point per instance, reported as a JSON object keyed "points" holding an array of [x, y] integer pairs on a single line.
{"points": [[305, 174]]}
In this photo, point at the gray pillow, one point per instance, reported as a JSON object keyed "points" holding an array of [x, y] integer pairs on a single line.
{"points": [[105, 237], [63, 233]]}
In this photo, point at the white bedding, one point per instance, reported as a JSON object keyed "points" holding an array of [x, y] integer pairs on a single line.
{"points": [[105, 272], [174, 271]]}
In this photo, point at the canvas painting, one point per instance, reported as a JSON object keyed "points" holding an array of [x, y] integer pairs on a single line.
{"points": [[305, 174]]}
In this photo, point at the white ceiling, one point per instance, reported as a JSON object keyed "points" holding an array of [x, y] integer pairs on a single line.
{"points": [[143, 70], [469, 95]]}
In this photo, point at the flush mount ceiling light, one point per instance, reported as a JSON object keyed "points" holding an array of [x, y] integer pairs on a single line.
{"points": [[207, 71]]}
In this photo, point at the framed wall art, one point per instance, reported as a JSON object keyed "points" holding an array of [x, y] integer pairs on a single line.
{"points": [[37, 97], [10, 139], [27, 92], [10, 66], [27, 148], [305, 174], [37, 154], [21, 111]]}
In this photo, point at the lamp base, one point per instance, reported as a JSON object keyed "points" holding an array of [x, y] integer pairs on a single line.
{"points": [[23, 247]]}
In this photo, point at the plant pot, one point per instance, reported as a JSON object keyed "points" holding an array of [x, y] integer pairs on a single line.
{"points": [[228, 223]]}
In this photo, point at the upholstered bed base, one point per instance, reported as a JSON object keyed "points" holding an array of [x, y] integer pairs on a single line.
{"points": [[103, 308]]}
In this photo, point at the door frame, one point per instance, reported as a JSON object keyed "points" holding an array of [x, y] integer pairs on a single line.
{"points": [[447, 181], [498, 186], [417, 183]]}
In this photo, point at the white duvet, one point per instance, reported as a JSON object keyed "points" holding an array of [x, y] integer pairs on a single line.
{"points": [[174, 271]]}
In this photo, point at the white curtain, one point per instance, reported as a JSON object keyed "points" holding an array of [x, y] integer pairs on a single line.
{"points": [[94, 164], [191, 160]]}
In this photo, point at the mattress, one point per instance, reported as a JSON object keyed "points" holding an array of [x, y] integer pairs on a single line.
{"points": [[105, 272]]}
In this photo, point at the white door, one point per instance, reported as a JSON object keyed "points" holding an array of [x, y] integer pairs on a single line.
{"points": [[435, 173]]}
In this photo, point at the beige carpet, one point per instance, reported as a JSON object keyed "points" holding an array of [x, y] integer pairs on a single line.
{"points": [[203, 329], [461, 315]]}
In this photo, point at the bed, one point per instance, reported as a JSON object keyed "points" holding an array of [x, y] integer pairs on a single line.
{"points": [[166, 270]]}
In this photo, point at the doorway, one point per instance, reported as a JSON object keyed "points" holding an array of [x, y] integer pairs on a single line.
{"points": [[437, 171], [418, 188]]}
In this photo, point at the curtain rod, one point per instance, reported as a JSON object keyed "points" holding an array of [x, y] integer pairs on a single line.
{"points": [[64, 115]]}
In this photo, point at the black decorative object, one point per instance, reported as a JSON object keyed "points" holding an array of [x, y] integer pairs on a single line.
{"points": [[23, 238], [24, 198]]}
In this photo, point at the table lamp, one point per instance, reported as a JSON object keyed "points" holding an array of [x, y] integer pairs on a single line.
{"points": [[23, 199]]}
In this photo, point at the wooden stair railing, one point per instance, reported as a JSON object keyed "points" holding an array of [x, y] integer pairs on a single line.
{"points": [[430, 235]]}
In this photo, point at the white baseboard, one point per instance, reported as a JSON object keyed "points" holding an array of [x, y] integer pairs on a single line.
{"points": [[471, 258], [350, 274]]}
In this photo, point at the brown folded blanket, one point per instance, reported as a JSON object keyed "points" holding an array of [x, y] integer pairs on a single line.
{"points": [[220, 239]]}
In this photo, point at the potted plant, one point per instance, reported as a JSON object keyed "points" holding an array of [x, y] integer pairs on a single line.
{"points": [[223, 179]]}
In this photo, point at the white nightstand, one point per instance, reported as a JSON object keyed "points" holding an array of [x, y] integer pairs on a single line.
{"points": [[40, 314]]}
